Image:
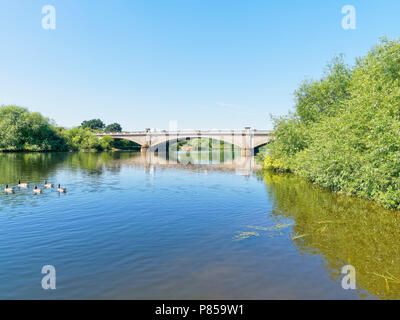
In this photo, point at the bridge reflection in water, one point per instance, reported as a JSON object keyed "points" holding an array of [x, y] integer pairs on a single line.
{"points": [[229, 161]]}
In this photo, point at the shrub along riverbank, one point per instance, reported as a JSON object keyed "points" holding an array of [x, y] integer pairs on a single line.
{"points": [[344, 133], [21, 130]]}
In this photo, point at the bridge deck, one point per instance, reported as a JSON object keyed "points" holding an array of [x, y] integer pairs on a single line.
{"points": [[188, 132]]}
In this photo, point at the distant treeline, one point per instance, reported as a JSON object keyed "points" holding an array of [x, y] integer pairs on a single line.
{"points": [[203, 144], [21, 130], [344, 133]]}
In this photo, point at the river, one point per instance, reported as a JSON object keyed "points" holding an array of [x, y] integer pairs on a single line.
{"points": [[186, 226]]}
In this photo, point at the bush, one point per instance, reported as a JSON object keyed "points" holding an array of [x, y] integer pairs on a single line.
{"points": [[353, 145], [106, 143], [82, 139]]}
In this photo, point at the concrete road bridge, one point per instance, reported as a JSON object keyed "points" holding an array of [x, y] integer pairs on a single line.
{"points": [[249, 140]]}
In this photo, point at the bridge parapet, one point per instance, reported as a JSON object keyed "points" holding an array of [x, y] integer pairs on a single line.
{"points": [[185, 132]]}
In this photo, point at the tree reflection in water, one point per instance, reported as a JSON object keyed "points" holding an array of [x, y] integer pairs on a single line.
{"points": [[342, 231]]}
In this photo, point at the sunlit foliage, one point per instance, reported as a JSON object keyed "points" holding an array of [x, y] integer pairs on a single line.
{"points": [[21, 130], [345, 131], [83, 139]]}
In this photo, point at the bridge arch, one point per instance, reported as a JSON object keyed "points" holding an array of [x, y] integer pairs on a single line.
{"points": [[125, 143], [164, 145], [258, 147]]}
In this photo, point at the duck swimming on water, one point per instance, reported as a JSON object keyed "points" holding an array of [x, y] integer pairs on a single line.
{"points": [[61, 190], [22, 185], [8, 189], [37, 190], [48, 185]]}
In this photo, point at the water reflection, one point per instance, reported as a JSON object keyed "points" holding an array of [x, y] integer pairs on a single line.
{"points": [[31, 167], [191, 161], [342, 231], [35, 167]]}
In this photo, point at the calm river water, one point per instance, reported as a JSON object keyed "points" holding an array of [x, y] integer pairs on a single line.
{"points": [[144, 227]]}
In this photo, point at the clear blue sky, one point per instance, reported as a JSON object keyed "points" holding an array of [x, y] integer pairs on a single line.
{"points": [[205, 63]]}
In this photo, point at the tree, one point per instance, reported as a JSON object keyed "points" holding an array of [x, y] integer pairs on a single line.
{"points": [[21, 130], [114, 127], [316, 99], [82, 139], [106, 142], [94, 124]]}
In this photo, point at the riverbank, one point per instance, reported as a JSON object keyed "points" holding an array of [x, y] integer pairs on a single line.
{"points": [[344, 133]]}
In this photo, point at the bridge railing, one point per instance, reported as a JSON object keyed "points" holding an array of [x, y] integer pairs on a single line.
{"points": [[206, 131]]}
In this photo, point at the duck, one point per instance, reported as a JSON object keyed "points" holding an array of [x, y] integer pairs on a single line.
{"points": [[8, 189], [22, 185], [37, 190], [48, 185], [61, 190]]}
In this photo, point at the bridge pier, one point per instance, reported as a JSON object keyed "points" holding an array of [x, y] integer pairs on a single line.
{"points": [[144, 148], [247, 152]]}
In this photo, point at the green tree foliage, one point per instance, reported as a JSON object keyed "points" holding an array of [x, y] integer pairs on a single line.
{"points": [[83, 139], [106, 142], [21, 130], [204, 144], [345, 131], [94, 124], [317, 99], [114, 127]]}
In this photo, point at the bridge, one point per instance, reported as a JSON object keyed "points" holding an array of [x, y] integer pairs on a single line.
{"points": [[249, 140]]}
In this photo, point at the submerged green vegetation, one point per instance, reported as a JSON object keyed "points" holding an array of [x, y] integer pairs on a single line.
{"points": [[344, 133], [340, 229], [21, 130]]}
